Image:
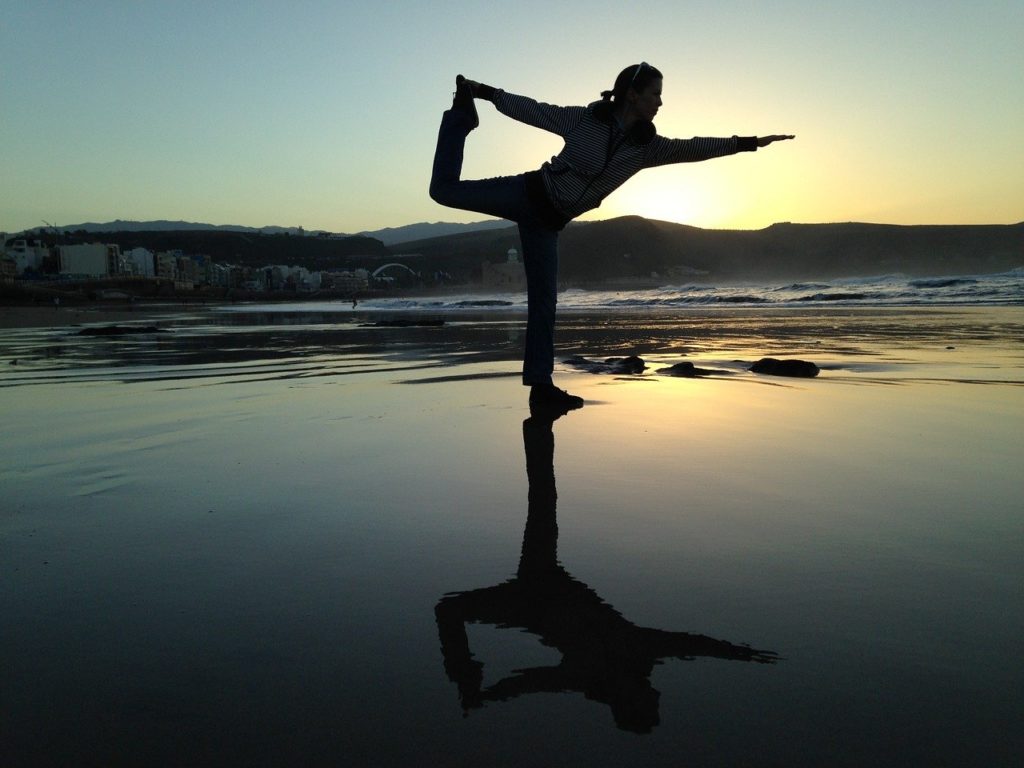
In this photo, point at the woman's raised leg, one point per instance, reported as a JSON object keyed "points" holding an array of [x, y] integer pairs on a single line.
{"points": [[504, 197]]}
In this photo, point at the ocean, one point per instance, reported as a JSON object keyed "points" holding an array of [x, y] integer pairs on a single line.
{"points": [[893, 290]]}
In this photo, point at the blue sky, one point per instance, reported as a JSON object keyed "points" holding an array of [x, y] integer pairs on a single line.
{"points": [[324, 114]]}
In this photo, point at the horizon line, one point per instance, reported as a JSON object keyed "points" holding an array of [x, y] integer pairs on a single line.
{"points": [[200, 225]]}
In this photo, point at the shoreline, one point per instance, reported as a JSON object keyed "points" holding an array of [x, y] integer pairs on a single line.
{"points": [[50, 316], [14, 316], [962, 344]]}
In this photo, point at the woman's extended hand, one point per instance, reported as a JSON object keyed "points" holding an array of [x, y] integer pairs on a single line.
{"points": [[764, 141]]}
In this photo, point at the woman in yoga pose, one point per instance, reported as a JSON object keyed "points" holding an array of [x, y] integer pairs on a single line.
{"points": [[606, 143]]}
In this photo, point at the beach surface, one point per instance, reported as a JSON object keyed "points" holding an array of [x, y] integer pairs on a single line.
{"points": [[86, 313], [292, 537]]}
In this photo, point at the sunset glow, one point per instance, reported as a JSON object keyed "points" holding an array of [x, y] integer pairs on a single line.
{"points": [[656, 196], [325, 115]]}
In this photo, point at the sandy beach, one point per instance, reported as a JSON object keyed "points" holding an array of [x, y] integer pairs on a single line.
{"points": [[305, 538]]}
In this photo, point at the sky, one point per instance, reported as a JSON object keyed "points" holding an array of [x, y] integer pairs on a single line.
{"points": [[324, 114]]}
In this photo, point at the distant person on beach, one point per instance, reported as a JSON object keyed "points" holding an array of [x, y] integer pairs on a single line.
{"points": [[606, 143]]}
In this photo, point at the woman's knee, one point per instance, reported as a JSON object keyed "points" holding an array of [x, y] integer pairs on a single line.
{"points": [[440, 192], [435, 192]]}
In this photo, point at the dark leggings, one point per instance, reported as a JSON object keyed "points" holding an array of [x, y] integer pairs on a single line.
{"points": [[506, 198]]}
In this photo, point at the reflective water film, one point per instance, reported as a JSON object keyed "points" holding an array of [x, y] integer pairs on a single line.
{"points": [[280, 537]]}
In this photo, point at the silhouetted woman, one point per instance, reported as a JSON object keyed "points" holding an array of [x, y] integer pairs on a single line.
{"points": [[605, 143]]}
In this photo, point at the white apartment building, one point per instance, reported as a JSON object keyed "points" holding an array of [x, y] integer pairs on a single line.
{"points": [[139, 261], [91, 260], [26, 255]]}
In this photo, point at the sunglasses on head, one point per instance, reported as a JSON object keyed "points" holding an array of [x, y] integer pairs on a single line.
{"points": [[636, 72]]}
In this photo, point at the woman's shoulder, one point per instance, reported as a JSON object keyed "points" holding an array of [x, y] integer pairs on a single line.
{"points": [[601, 110]]}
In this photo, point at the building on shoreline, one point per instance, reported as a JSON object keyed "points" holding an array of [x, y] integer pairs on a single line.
{"points": [[96, 266], [25, 255], [140, 262], [91, 260], [507, 276]]}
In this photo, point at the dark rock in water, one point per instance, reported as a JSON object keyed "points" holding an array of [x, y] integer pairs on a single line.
{"points": [[119, 330], [688, 370], [835, 297], [620, 365], [483, 303], [631, 364], [796, 368], [429, 323], [685, 370]]}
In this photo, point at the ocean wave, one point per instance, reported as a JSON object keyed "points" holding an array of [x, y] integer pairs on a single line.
{"points": [[742, 299], [879, 290], [826, 297], [942, 282], [797, 287], [476, 303]]}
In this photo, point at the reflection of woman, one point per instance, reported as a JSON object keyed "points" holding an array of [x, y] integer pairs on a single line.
{"points": [[604, 656], [605, 144]]}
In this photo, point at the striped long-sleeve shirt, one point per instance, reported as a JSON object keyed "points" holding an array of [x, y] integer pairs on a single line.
{"points": [[598, 155]]}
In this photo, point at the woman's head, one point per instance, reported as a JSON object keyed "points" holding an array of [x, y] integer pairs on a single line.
{"points": [[635, 77]]}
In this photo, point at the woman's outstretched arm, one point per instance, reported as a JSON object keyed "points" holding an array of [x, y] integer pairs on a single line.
{"points": [[663, 151], [547, 117]]}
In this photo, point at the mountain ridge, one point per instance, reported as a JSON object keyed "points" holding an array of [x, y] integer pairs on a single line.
{"points": [[628, 248], [387, 235], [639, 248]]}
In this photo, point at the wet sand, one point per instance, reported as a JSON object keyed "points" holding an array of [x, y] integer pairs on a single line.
{"points": [[268, 539], [50, 316]]}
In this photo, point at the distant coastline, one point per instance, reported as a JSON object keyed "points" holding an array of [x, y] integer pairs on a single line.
{"points": [[625, 252]]}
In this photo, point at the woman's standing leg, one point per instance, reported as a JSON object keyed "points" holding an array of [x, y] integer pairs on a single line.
{"points": [[540, 260]]}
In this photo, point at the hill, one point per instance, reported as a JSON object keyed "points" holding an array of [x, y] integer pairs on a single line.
{"points": [[625, 249], [424, 230], [634, 247]]}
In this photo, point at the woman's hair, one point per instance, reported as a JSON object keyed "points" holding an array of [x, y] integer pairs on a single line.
{"points": [[635, 76]]}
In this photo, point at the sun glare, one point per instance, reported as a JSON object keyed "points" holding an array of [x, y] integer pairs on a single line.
{"points": [[662, 199]]}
